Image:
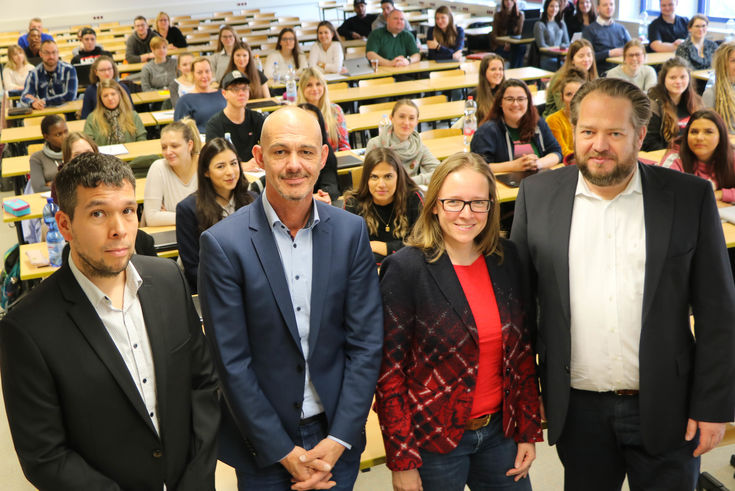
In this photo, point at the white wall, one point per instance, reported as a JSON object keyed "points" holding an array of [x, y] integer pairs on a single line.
{"points": [[14, 14]]}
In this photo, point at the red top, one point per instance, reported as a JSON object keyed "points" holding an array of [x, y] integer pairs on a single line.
{"points": [[478, 289]]}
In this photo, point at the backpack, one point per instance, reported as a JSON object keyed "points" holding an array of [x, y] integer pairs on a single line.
{"points": [[11, 287]]}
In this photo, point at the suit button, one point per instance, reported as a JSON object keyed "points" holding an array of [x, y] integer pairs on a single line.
{"points": [[566, 368], [507, 392], [157, 453], [297, 405], [299, 368]]}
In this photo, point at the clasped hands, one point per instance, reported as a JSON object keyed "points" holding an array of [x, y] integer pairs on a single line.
{"points": [[312, 469]]}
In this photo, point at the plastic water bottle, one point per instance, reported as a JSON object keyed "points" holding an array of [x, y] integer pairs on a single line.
{"points": [[228, 137], [276, 74], [730, 30], [470, 120], [290, 86], [643, 27], [384, 125], [291, 72], [54, 240], [258, 63]]}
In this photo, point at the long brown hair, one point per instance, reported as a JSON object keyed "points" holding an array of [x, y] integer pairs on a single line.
{"points": [[658, 93], [251, 70], [209, 210], [71, 139], [569, 63], [427, 234], [93, 69], [722, 159], [724, 92], [221, 46], [404, 188], [448, 37], [529, 121], [296, 49], [127, 121], [485, 93]]}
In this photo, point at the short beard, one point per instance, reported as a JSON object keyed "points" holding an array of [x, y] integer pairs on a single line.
{"points": [[93, 269], [619, 174]]}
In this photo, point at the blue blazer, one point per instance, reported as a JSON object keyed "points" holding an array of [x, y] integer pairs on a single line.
{"points": [[249, 319]]}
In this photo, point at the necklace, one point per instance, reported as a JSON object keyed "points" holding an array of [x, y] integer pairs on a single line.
{"points": [[387, 224]]}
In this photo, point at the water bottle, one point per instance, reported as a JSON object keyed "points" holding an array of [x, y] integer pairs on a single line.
{"points": [[276, 74], [291, 72], [228, 137], [730, 30], [258, 63], [384, 125], [54, 240], [291, 90], [469, 126], [643, 27]]}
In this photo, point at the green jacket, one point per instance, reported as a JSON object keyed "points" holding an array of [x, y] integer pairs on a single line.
{"points": [[95, 132]]}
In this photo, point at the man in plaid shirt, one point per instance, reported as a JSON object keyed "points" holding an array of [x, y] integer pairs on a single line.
{"points": [[51, 83]]}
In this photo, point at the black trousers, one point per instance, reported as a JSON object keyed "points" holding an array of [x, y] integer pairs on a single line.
{"points": [[601, 443]]}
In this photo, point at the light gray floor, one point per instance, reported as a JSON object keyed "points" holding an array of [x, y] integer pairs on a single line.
{"points": [[546, 473]]}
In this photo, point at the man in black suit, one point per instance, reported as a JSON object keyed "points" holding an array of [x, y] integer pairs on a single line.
{"points": [[620, 253], [107, 379]]}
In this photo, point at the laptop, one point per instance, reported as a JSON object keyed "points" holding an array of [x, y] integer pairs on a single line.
{"points": [[164, 241], [358, 66], [82, 74]]}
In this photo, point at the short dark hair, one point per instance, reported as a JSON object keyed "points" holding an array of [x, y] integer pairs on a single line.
{"points": [[89, 170], [386, 1], [140, 17], [50, 121], [615, 87]]}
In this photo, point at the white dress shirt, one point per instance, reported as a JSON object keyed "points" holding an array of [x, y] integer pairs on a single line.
{"points": [[607, 258]]}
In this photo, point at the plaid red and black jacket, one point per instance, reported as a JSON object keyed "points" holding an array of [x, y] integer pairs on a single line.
{"points": [[431, 356]]}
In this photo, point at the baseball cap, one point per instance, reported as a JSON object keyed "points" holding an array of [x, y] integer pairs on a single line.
{"points": [[233, 77]]}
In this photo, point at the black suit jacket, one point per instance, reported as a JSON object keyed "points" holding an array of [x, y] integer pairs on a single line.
{"points": [[686, 268], [75, 414]]}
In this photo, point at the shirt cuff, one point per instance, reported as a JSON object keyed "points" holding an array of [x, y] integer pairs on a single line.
{"points": [[344, 444]]}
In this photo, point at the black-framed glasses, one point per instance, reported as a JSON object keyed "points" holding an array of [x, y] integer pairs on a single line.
{"points": [[457, 205]]}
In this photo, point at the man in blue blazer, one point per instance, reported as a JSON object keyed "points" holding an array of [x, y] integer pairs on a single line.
{"points": [[621, 253], [291, 304]]}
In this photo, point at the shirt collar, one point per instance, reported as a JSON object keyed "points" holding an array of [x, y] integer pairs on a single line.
{"points": [[273, 219], [634, 186], [133, 282], [605, 22]]}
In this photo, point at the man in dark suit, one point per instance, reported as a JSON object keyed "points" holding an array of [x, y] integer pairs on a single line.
{"points": [[620, 254], [107, 379], [291, 303]]}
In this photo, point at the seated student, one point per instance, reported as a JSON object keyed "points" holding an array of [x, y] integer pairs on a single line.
{"points": [[89, 50], [138, 44], [705, 151], [579, 56], [387, 199], [405, 141], [160, 72], [222, 189], [668, 30], [313, 89], [515, 138], [550, 32], [184, 83], [634, 68], [359, 25], [607, 36], [697, 50], [326, 187], [173, 36], [51, 83], [33, 50], [577, 18], [386, 7], [16, 69], [103, 68], [174, 177], [114, 121], [221, 57], [34, 24], [491, 76], [241, 124], [77, 143], [326, 53], [287, 53], [45, 163], [559, 122], [673, 100], [242, 60], [204, 101], [392, 45], [508, 21], [444, 40], [721, 96]]}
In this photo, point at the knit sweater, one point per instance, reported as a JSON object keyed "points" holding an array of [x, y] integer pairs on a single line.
{"points": [[561, 127], [158, 75], [603, 39], [644, 79]]}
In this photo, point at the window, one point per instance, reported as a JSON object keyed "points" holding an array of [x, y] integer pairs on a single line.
{"points": [[716, 10]]}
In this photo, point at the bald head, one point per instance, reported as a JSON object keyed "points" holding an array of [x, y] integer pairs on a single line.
{"points": [[395, 22], [278, 122]]}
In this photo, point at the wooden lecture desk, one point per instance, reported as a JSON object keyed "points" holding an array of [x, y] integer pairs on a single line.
{"points": [[702, 74], [33, 132], [514, 40], [651, 58]]}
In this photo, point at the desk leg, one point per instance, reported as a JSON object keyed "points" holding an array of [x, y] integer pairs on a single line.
{"points": [[19, 232]]}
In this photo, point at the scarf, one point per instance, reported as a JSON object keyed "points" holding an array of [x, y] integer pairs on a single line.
{"points": [[51, 154], [116, 135], [408, 151]]}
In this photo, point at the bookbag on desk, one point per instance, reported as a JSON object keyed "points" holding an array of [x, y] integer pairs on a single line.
{"points": [[11, 287]]}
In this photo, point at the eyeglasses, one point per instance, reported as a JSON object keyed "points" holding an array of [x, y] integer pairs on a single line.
{"points": [[288, 39], [240, 88], [457, 205], [108, 69], [699, 26], [511, 100]]}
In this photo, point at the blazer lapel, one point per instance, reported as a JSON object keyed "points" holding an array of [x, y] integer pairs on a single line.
{"points": [[658, 215], [88, 322], [447, 282], [560, 225], [267, 251], [321, 240]]}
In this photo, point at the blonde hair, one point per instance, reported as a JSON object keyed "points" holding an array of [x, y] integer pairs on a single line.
{"points": [[127, 121], [188, 129], [427, 234], [724, 93], [157, 41], [160, 16], [324, 104], [11, 52]]}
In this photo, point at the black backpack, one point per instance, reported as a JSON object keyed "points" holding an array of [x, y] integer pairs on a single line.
{"points": [[11, 287]]}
